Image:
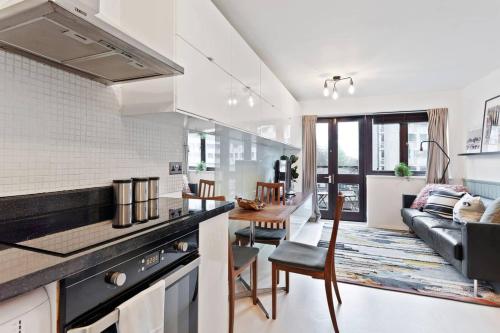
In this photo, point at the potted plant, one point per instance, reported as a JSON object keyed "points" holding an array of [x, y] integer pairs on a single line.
{"points": [[402, 170], [201, 166]]}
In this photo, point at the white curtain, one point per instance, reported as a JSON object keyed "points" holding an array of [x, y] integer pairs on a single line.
{"points": [[309, 162]]}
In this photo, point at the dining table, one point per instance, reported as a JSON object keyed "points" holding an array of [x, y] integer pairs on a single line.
{"points": [[274, 215]]}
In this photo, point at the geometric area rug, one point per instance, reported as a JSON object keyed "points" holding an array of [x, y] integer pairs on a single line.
{"points": [[399, 261]]}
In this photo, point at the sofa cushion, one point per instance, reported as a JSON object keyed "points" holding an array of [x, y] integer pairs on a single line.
{"points": [[423, 195], [447, 242], [492, 212], [468, 209], [441, 202], [409, 214], [422, 225]]}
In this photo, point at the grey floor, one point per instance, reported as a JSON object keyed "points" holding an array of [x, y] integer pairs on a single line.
{"points": [[364, 309]]}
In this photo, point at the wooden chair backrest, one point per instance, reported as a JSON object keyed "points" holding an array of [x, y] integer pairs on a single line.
{"points": [[330, 257], [206, 188], [270, 194]]}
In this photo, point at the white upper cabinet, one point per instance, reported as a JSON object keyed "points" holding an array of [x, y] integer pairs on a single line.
{"points": [[270, 86], [154, 26], [204, 89], [201, 24], [245, 109], [245, 64]]}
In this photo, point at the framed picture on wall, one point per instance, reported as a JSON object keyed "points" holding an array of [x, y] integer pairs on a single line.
{"points": [[491, 125], [473, 144]]}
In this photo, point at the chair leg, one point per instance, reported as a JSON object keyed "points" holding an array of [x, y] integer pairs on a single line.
{"points": [[231, 304], [254, 282], [277, 272], [329, 299], [273, 272], [335, 285], [287, 281]]}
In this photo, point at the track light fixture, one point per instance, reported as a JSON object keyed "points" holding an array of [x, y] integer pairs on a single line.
{"points": [[335, 80]]}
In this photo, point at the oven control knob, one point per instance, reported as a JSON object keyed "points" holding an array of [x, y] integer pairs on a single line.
{"points": [[116, 278], [182, 246]]}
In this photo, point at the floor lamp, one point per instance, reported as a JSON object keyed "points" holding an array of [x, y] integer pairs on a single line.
{"points": [[444, 152]]}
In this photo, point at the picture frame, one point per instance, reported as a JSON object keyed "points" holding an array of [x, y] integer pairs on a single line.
{"points": [[474, 139], [491, 125]]}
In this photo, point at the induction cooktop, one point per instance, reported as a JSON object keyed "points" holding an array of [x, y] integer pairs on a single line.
{"points": [[65, 233]]}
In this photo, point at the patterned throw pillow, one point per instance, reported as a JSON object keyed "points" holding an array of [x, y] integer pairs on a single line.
{"points": [[468, 209], [492, 213], [442, 201], [422, 197]]}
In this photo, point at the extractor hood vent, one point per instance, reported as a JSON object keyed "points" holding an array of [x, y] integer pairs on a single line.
{"points": [[68, 34]]}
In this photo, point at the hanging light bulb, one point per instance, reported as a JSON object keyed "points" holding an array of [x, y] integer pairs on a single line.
{"points": [[251, 102], [335, 94], [326, 92], [235, 101], [351, 87]]}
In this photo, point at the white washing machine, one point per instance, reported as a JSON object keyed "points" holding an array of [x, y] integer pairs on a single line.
{"points": [[27, 313]]}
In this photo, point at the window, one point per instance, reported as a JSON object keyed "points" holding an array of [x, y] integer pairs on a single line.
{"points": [[201, 151], [396, 138]]}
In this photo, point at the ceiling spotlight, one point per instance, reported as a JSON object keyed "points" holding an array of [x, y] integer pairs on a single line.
{"points": [[335, 79], [326, 92], [251, 102]]}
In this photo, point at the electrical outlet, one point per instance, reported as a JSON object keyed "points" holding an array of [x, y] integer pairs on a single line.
{"points": [[175, 168]]}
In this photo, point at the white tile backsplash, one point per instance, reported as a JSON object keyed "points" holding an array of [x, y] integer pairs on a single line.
{"points": [[59, 131]]}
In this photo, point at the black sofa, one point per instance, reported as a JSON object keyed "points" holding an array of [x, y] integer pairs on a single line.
{"points": [[473, 248]]}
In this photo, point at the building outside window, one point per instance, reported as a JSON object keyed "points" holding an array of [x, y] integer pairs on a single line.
{"points": [[202, 148], [396, 138]]}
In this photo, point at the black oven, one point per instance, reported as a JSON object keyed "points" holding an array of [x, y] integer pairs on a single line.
{"points": [[89, 298]]}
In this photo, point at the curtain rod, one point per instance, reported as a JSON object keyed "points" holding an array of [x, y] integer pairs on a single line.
{"points": [[399, 112]]}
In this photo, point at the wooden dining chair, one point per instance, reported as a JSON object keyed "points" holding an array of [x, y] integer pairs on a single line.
{"points": [[317, 262], [206, 188], [241, 258], [273, 234]]}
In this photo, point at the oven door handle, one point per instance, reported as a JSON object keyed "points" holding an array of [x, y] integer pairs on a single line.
{"points": [[112, 317], [180, 273], [100, 325]]}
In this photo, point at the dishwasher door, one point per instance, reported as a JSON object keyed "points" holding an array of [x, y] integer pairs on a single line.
{"points": [[29, 312]]}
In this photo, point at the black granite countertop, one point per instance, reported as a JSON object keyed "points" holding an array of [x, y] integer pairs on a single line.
{"points": [[24, 270]]}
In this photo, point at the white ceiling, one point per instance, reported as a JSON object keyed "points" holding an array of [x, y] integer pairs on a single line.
{"points": [[389, 46]]}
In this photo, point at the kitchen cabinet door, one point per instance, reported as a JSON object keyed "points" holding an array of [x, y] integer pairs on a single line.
{"points": [[270, 86], [245, 64], [204, 88], [201, 24], [152, 24], [213, 285]]}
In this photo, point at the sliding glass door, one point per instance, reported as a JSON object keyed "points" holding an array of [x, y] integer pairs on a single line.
{"points": [[341, 166]]}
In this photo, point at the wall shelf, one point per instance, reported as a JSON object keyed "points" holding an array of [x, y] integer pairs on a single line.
{"points": [[483, 153]]}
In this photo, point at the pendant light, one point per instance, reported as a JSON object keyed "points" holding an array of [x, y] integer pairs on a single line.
{"points": [[336, 79]]}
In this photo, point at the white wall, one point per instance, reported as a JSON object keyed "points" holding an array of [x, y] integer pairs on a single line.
{"points": [[352, 105], [473, 97], [59, 131]]}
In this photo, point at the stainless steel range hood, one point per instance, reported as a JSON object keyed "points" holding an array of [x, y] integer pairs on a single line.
{"points": [[68, 33]]}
